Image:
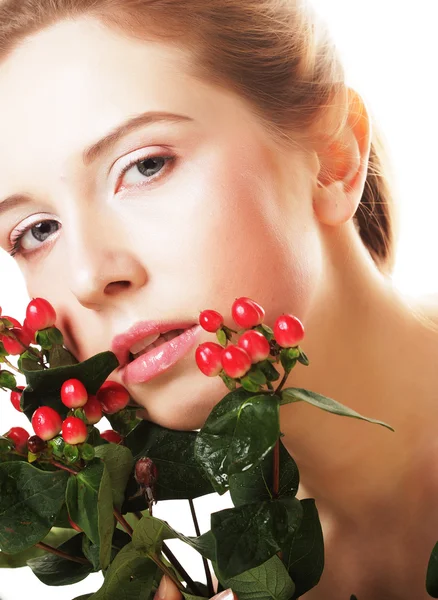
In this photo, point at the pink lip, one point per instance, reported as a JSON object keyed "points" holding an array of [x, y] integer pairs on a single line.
{"points": [[123, 342], [160, 359]]}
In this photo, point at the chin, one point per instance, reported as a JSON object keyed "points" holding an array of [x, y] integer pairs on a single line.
{"points": [[177, 407]]}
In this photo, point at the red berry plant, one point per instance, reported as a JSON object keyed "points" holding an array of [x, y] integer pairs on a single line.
{"points": [[77, 499]]}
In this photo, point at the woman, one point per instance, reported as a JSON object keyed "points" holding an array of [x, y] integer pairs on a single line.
{"points": [[269, 182]]}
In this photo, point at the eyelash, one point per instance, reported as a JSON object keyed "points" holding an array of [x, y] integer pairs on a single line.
{"points": [[15, 243]]}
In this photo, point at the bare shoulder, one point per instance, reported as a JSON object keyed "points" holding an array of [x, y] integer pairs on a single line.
{"points": [[428, 306]]}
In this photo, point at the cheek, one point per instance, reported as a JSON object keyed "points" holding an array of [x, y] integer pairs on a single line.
{"points": [[248, 240]]}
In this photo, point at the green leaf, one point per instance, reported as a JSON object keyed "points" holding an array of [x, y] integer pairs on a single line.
{"points": [[269, 370], [229, 381], [150, 532], [205, 544], [119, 462], [303, 553], [256, 375], [303, 358], [255, 484], [432, 573], [90, 505], [290, 395], [61, 357], [55, 336], [129, 577], [221, 337], [91, 550], [179, 475], [288, 359], [226, 444], [124, 421], [43, 339], [249, 385], [44, 387], [5, 444], [54, 538], [54, 570], [269, 581], [247, 536], [7, 380], [30, 499], [28, 361], [266, 331]]}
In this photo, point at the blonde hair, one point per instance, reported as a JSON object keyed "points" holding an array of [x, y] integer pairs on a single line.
{"points": [[277, 54]]}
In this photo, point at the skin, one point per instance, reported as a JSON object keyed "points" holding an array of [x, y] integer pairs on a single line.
{"points": [[233, 216]]}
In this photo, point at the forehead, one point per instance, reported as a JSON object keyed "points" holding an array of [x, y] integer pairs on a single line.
{"points": [[69, 84]]}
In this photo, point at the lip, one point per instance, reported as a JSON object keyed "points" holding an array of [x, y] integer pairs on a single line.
{"points": [[160, 359], [123, 342]]}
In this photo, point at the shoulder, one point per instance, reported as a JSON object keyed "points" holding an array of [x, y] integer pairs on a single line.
{"points": [[429, 307]]}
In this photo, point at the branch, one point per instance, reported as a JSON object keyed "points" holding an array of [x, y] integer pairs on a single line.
{"points": [[77, 559]]}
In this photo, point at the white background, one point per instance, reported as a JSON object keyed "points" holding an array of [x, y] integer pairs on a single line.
{"points": [[389, 48]]}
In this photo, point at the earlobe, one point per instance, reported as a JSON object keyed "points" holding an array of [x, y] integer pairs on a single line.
{"points": [[332, 206], [343, 167]]}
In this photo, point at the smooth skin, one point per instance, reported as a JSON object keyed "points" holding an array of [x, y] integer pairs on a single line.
{"points": [[230, 216]]}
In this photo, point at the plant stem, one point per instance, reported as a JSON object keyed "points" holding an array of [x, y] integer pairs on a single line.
{"points": [[123, 522], [180, 569], [282, 382], [47, 548], [61, 466], [204, 560], [10, 365], [167, 572], [276, 470]]}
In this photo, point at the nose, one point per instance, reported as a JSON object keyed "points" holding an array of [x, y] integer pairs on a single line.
{"points": [[103, 267]]}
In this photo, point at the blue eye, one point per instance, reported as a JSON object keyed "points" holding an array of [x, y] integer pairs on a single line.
{"points": [[39, 230], [146, 167]]}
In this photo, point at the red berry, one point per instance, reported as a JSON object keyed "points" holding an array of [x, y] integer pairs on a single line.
{"points": [[73, 393], [235, 361], [246, 313], [19, 436], [31, 333], [208, 358], [74, 430], [46, 422], [12, 346], [16, 397], [112, 397], [12, 320], [255, 345], [40, 314], [288, 331], [111, 436], [145, 472], [35, 444], [210, 320], [92, 410], [74, 525]]}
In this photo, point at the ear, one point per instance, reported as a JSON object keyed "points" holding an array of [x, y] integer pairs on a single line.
{"points": [[343, 167]]}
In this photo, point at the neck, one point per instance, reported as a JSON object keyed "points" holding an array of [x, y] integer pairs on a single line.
{"points": [[368, 351]]}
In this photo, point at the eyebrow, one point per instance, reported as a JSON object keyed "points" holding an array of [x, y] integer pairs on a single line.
{"points": [[93, 152]]}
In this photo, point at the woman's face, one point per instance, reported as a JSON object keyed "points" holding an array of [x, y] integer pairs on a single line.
{"points": [[226, 216]]}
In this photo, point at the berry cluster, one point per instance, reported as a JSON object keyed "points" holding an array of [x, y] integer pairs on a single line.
{"points": [[56, 437], [249, 362], [15, 337]]}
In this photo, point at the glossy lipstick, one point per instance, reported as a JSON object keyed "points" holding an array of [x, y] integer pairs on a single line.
{"points": [[160, 359]]}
